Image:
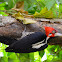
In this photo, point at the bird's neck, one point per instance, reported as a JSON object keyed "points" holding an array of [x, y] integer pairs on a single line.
{"points": [[47, 38]]}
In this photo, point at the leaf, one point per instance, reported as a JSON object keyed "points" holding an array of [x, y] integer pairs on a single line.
{"points": [[2, 8], [60, 54], [21, 18], [11, 12], [20, 5], [31, 56], [3, 4], [4, 14], [24, 57], [28, 21], [44, 10], [46, 13], [4, 59], [36, 14], [41, 53], [31, 10], [36, 57], [10, 4], [60, 8], [50, 4], [18, 16], [9, 53], [20, 10], [49, 14], [13, 58]]}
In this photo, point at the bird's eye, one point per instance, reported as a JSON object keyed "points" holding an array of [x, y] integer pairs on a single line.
{"points": [[53, 31]]}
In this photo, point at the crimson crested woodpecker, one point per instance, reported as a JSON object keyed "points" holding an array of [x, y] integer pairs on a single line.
{"points": [[36, 41]]}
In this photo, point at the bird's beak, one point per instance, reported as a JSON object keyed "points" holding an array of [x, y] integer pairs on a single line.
{"points": [[58, 34]]}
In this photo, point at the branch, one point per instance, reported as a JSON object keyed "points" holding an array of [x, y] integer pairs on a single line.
{"points": [[10, 27]]}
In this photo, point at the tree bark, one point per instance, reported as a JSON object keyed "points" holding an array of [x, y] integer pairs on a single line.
{"points": [[12, 28]]}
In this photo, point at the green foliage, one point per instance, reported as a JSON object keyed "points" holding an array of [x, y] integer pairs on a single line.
{"points": [[31, 10], [10, 4], [33, 6], [53, 53], [41, 53], [2, 0], [2, 8], [49, 4], [44, 13], [37, 14], [60, 1]]}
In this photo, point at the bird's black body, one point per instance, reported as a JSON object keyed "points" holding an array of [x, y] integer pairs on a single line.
{"points": [[7, 40], [25, 45]]}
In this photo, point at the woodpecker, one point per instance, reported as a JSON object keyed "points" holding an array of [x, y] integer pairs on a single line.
{"points": [[36, 41]]}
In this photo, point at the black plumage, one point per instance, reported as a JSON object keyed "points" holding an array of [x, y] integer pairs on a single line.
{"points": [[7, 40], [26, 50], [24, 45]]}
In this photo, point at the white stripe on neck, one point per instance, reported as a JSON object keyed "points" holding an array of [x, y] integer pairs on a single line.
{"points": [[39, 44]]}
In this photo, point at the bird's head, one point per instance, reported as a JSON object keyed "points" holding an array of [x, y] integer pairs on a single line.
{"points": [[51, 32]]}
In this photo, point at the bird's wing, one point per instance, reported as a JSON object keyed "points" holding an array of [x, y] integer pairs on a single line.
{"points": [[26, 50], [28, 40], [39, 44]]}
